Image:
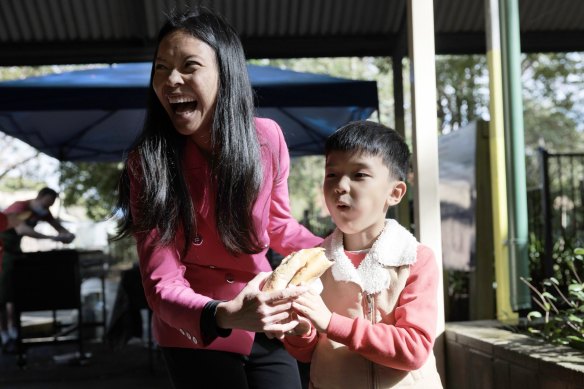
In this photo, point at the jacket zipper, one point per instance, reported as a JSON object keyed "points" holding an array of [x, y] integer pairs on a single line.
{"points": [[371, 309]]}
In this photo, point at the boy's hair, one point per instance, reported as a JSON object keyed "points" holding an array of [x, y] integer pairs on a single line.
{"points": [[373, 139]]}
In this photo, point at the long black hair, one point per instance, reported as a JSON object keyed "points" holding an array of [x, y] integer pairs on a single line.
{"points": [[165, 203]]}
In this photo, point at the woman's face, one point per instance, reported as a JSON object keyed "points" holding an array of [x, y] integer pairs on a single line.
{"points": [[186, 81]]}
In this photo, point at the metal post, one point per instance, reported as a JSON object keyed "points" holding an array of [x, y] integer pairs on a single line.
{"points": [[403, 209], [497, 163], [548, 266], [516, 182]]}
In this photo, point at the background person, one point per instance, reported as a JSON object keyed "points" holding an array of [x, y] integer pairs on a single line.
{"points": [[374, 324], [36, 210], [205, 194]]}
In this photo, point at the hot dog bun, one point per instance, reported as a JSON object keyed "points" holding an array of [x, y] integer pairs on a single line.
{"points": [[303, 266]]}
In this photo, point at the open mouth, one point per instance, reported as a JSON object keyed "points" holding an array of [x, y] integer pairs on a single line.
{"points": [[182, 104]]}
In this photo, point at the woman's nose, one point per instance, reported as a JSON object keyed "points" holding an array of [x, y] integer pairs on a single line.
{"points": [[174, 78]]}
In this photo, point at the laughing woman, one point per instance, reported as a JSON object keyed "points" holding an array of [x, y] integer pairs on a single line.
{"points": [[204, 192]]}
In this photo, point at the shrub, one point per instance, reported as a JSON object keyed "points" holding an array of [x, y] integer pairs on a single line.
{"points": [[560, 318]]}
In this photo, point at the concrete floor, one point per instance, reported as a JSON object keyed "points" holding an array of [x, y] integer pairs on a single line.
{"points": [[56, 366]]}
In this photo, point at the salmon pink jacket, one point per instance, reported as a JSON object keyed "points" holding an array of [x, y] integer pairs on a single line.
{"points": [[177, 288], [384, 317]]}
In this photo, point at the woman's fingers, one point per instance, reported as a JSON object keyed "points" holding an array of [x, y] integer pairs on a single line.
{"points": [[280, 317], [268, 309], [285, 294], [281, 328]]}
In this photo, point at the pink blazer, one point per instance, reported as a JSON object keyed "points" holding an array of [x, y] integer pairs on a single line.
{"points": [[177, 288]]}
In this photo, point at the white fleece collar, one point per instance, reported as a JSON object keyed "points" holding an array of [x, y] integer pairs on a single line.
{"points": [[395, 246]]}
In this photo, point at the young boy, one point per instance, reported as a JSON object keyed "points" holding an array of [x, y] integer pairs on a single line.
{"points": [[374, 324]]}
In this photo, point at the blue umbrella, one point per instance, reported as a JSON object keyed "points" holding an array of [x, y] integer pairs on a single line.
{"points": [[95, 115]]}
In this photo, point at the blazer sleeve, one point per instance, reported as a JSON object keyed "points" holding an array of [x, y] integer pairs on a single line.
{"points": [[167, 291], [286, 233], [406, 344]]}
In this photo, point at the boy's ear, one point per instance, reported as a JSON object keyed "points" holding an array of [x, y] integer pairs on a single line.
{"points": [[397, 193]]}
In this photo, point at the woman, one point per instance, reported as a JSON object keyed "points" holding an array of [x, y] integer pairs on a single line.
{"points": [[205, 194]]}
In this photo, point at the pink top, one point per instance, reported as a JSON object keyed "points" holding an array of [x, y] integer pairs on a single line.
{"points": [[34, 218], [177, 288], [3, 221], [356, 257]]}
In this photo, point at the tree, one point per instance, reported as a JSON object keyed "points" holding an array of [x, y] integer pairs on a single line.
{"points": [[92, 185], [553, 100], [462, 90]]}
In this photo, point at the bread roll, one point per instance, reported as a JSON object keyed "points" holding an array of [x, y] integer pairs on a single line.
{"points": [[303, 266]]}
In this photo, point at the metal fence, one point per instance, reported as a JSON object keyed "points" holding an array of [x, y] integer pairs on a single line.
{"points": [[556, 208]]}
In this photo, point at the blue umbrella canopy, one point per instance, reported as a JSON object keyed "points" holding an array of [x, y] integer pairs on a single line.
{"points": [[96, 114]]}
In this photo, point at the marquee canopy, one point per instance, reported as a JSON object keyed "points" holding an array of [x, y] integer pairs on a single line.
{"points": [[95, 115]]}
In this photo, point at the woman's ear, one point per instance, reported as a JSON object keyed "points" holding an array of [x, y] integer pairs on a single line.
{"points": [[397, 193]]}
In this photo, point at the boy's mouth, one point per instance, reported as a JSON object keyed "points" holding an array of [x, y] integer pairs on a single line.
{"points": [[342, 205]]}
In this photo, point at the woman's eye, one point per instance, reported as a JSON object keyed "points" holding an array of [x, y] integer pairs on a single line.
{"points": [[159, 67]]}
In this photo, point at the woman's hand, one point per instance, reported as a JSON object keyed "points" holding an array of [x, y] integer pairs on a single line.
{"points": [[311, 306], [257, 311]]}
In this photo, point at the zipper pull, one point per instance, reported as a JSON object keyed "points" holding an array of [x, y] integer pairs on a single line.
{"points": [[370, 306]]}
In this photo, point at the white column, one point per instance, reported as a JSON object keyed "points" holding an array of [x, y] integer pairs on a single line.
{"points": [[425, 143]]}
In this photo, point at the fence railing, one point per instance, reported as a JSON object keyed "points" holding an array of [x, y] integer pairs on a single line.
{"points": [[556, 208]]}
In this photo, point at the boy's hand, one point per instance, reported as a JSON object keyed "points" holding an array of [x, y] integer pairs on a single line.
{"points": [[303, 327], [311, 306]]}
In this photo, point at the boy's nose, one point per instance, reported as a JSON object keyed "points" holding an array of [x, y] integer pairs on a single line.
{"points": [[342, 185]]}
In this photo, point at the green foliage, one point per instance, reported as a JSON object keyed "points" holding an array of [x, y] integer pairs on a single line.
{"points": [[562, 258], [462, 89], [560, 318], [92, 185], [304, 183], [12, 184]]}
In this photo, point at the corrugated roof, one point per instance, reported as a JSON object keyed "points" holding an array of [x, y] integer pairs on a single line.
{"points": [[85, 31]]}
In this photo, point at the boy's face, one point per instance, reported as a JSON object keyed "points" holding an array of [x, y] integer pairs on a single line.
{"points": [[358, 190]]}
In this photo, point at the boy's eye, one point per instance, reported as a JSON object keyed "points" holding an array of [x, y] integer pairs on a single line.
{"points": [[361, 175]]}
